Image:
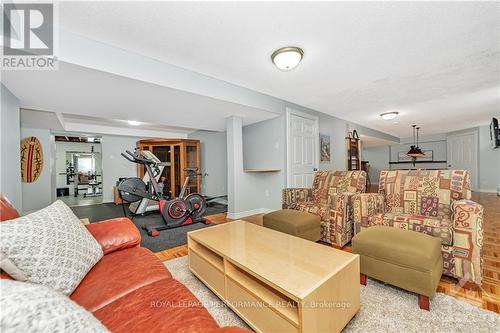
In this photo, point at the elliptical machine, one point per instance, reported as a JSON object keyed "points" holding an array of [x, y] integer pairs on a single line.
{"points": [[176, 212]]}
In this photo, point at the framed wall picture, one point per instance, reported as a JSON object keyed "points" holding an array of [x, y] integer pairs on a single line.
{"points": [[324, 144]]}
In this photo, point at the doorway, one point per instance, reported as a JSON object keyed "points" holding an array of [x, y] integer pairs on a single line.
{"points": [[78, 170], [462, 154], [302, 148]]}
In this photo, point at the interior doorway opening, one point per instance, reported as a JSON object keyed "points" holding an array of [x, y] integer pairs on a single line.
{"points": [[78, 169]]}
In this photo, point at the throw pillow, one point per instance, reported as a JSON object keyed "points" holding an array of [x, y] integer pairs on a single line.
{"points": [[9, 266], [28, 307], [50, 247]]}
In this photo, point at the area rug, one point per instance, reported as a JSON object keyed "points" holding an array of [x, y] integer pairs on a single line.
{"points": [[384, 309], [166, 240]]}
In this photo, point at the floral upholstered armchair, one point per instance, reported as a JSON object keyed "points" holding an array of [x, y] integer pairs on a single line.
{"points": [[435, 202], [329, 198]]}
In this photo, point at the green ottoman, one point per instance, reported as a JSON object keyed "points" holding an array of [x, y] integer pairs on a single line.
{"points": [[294, 222], [406, 259]]}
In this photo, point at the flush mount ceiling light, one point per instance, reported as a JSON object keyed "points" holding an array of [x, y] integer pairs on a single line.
{"points": [[389, 115], [287, 58], [133, 122]]}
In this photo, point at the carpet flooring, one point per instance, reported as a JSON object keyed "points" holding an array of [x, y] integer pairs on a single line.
{"points": [[384, 309], [166, 240]]}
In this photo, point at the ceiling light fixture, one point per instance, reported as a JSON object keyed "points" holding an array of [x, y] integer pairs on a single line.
{"points": [[134, 122], [415, 150], [389, 115], [287, 58]]}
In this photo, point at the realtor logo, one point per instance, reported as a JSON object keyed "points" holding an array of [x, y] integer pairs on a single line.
{"points": [[28, 36]]}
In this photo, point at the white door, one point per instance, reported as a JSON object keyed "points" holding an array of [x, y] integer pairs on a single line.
{"points": [[462, 154], [302, 149]]}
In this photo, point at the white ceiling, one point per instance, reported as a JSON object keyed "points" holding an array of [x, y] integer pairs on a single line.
{"points": [[86, 96], [428, 60]]}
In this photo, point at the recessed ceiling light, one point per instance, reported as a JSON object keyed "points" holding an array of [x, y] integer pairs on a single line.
{"points": [[389, 115], [90, 139], [287, 58], [134, 122]]}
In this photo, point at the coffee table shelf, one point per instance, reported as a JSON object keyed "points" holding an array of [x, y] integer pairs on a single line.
{"points": [[283, 305], [276, 282]]}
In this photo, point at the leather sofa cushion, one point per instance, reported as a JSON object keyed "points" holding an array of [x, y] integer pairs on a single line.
{"points": [[115, 234], [434, 226], [163, 306], [118, 274], [7, 210]]}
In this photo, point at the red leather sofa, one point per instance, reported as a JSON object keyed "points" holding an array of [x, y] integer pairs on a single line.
{"points": [[130, 290]]}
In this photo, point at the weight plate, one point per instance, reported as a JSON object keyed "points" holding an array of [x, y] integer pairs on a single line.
{"points": [[132, 189]]}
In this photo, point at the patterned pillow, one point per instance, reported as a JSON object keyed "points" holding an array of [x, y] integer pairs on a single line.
{"points": [[28, 307], [8, 265], [50, 247]]}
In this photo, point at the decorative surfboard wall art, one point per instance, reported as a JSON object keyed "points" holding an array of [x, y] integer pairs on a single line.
{"points": [[31, 159]]}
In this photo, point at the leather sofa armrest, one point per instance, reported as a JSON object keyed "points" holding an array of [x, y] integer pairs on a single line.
{"points": [[294, 195], [365, 205], [115, 234]]}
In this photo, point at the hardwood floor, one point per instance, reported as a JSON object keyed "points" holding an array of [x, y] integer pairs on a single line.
{"points": [[487, 297]]}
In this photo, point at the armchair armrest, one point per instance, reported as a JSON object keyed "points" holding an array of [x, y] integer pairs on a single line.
{"points": [[365, 205], [467, 218], [115, 234], [293, 195]]}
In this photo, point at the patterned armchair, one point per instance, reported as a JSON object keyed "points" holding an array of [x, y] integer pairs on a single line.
{"points": [[435, 202], [329, 198]]}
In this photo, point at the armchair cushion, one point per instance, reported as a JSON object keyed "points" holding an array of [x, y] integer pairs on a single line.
{"points": [[115, 234], [423, 192], [328, 183], [436, 227], [294, 195], [335, 215], [365, 205], [313, 207]]}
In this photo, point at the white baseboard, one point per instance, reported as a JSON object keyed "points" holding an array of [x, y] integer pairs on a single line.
{"points": [[239, 215]]}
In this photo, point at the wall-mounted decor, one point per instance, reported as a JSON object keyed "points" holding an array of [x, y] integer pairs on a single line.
{"points": [[324, 143], [403, 156], [31, 159]]}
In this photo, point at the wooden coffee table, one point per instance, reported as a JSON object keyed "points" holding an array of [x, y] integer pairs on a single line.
{"points": [[276, 282]]}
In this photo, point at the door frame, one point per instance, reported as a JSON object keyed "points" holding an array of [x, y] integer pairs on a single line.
{"points": [[475, 172], [288, 113]]}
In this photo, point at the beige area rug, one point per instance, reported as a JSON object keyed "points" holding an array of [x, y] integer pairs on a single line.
{"points": [[384, 309]]}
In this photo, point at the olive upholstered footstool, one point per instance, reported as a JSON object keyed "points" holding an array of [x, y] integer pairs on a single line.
{"points": [[294, 222], [406, 259]]}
